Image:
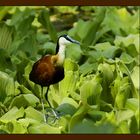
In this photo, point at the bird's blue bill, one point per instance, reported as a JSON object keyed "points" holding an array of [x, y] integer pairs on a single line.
{"points": [[72, 40]]}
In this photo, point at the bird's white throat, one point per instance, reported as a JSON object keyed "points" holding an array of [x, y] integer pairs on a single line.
{"points": [[61, 54]]}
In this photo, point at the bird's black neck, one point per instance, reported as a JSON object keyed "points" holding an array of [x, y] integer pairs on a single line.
{"points": [[57, 48]]}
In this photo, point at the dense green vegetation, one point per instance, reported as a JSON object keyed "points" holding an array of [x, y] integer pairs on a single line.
{"points": [[100, 91]]}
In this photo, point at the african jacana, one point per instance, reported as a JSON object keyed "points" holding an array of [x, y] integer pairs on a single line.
{"points": [[49, 69]]}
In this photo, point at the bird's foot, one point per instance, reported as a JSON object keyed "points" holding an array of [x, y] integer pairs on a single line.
{"points": [[52, 116]]}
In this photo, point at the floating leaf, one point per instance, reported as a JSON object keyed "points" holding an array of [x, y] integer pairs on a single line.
{"points": [[32, 113], [44, 18], [5, 36], [67, 106], [43, 129], [135, 77], [88, 127], [122, 115], [68, 84], [78, 116], [132, 104], [90, 93], [13, 114], [24, 100], [70, 65], [6, 86]]}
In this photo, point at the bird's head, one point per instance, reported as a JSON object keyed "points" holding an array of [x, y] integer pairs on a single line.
{"points": [[64, 40]]}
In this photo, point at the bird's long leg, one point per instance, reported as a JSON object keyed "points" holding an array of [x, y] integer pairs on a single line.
{"points": [[42, 103], [46, 96]]}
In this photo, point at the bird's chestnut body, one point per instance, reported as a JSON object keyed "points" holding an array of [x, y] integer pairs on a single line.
{"points": [[46, 71]]}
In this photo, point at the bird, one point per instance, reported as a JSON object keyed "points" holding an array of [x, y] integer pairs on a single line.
{"points": [[49, 69]]}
